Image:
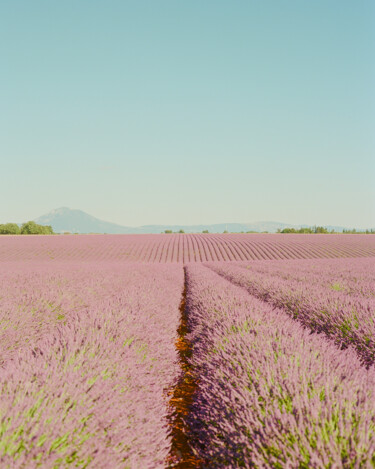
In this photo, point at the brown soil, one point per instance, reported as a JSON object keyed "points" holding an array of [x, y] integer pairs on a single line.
{"points": [[182, 455]]}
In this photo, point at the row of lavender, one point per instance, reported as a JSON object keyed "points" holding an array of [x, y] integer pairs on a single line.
{"points": [[271, 393], [184, 248], [348, 275], [87, 356], [316, 299]]}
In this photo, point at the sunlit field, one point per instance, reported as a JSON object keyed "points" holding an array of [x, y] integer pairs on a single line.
{"points": [[184, 350], [184, 248]]}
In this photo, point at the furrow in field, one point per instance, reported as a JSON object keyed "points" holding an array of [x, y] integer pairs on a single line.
{"points": [[258, 251], [175, 251], [159, 250], [167, 257], [269, 252], [248, 252], [225, 252], [151, 251], [178, 249], [306, 251], [190, 247], [182, 394], [241, 250], [233, 250], [197, 249], [275, 252], [214, 248], [203, 246], [302, 252], [207, 247], [291, 251]]}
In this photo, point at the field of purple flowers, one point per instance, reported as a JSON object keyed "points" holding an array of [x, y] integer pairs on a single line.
{"points": [[87, 355], [259, 363], [317, 301], [271, 394], [350, 276]]}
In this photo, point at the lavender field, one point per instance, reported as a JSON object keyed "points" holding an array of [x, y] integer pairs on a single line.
{"points": [[162, 351]]}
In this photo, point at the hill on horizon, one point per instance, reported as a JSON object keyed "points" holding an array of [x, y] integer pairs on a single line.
{"points": [[65, 219]]}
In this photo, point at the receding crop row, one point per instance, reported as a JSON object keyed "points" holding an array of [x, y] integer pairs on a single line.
{"points": [[271, 394], [184, 248], [87, 385], [354, 277], [347, 320]]}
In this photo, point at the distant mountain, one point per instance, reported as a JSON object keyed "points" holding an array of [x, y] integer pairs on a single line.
{"points": [[76, 221]]}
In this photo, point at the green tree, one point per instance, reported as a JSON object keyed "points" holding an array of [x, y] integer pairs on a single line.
{"points": [[31, 227], [47, 229], [10, 228], [320, 229]]}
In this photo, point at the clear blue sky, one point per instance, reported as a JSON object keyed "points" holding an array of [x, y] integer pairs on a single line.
{"points": [[175, 111]]}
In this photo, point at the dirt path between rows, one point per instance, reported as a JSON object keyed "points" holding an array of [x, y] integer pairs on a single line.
{"points": [[181, 455]]}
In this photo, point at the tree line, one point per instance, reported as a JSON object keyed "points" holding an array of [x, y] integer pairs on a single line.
{"points": [[314, 229], [321, 229], [29, 227], [310, 230]]}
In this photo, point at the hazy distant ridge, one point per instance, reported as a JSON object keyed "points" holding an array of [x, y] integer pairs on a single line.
{"points": [[76, 221]]}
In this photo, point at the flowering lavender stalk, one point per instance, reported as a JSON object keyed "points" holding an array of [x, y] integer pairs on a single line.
{"points": [[349, 320], [88, 388], [271, 394]]}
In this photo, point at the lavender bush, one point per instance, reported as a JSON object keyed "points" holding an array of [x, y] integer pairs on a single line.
{"points": [[271, 394], [353, 276], [88, 385], [349, 320]]}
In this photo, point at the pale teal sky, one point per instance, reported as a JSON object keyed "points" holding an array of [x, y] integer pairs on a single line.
{"points": [[172, 111]]}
